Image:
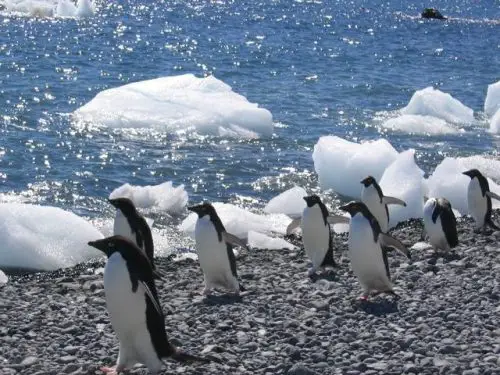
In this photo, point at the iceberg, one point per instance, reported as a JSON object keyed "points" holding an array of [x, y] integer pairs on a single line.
{"points": [[162, 197], [435, 103], [178, 103], [492, 101], [51, 8], [419, 124], [341, 164], [448, 181], [403, 179], [495, 123], [44, 238], [261, 241], [290, 203], [239, 221], [3, 278]]}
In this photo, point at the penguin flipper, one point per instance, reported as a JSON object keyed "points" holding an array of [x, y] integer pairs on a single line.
{"points": [[491, 224], [154, 300], [393, 200], [386, 240], [493, 195], [148, 240], [336, 219], [231, 239], [293, 225]]}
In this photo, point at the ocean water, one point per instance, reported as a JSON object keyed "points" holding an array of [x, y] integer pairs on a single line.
{"points": [[320, 67]]}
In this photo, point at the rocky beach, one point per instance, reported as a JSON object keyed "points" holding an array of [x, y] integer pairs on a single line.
{"points": [[446, 320]]}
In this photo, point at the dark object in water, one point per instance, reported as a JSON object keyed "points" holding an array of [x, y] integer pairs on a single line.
{"points": [[432, 13]]}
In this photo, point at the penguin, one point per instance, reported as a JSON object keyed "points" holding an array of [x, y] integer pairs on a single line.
{"points": [[440, 224], [479, 200], [316, 233], [214, 246], [367, 250], [131, 224], [134, 308], [377, 202]]}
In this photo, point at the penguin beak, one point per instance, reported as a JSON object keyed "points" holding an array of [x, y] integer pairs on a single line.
{"points": [[99, 245], [467, 173], [346, 208], [113, 202], [364, 182], [197, 209]]}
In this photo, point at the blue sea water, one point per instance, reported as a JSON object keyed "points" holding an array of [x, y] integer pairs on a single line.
{"points": [[320, 67]]}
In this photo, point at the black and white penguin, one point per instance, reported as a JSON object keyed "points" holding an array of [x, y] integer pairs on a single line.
{"points": [[479, 200], [316, 233], [134, 309], [366, 250], [215, 250], [440, 224], [131, 224], [377, 202]]}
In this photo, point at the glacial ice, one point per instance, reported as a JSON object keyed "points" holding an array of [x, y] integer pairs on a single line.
{"points": [[495, 123], [492, 101], [433, 102], [448, 181], [403, 179], [44, 238], [51, 8], [3, 278], [419, 124], [290, 203], [341, 164], [162, 197], [239, 221], [262, 241], [185, 102]]}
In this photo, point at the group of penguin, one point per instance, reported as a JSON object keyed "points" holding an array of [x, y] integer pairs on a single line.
{"points": [[129, 275]]}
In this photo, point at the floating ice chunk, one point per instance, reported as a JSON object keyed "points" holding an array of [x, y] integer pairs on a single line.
{"points": [[183, 102], [262, 241], [419, 124], [495, 123], [239, 222], [403, 179], [85, 8], [33, 8], [341, 165], [3, 278], [290, 203], [44, 238], [492, 101], [162, 197], [448, 181], [65, 8], [433, 102]]}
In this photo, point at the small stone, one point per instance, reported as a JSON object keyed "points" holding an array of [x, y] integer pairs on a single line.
{"points": [[67, 359], [29, 361], [300, 369]]}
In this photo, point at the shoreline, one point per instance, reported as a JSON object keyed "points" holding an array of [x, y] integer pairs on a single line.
{"points": [[446, 320]]}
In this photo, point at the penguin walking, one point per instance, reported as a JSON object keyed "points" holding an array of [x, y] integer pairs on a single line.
{"points": [[440, 224], [316, 233], [377, 202], [479, 200], [132, 225], [134, 308], [215, 250], [366, 250]]}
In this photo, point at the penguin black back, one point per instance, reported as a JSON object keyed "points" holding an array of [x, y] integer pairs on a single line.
{"points": [[359, 207], [370, 180], [448, 221]]}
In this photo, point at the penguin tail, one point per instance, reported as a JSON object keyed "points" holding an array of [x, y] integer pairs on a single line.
{"points": [[184, 357], [491, 224]]}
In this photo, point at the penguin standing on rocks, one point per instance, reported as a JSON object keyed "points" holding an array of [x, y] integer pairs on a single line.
{"points": [[440, 224], [316, 233], [366, 250], [377, 202], [479, 200], [130, 224], [134, 308], [215, 250]]}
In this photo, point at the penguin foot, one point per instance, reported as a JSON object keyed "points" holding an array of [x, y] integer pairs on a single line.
{"points": [[207, 291], [363, 298], [112, 370], [311, 272]]}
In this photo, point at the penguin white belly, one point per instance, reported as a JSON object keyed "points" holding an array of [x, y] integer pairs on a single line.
{"points": [[315, 235], [435, 232], [476, 203], [127, 312], [366, 256], [212, 255], [122, 228], [371, 198]]}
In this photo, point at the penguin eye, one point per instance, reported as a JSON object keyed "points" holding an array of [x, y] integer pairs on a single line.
{"points": [[111, 244]]}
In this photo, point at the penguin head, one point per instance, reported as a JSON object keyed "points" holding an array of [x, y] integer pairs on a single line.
{"points": [[125, 205], [109, 245], [203, 209], [368, 181], [472, 173], [354, 207], [311, 200]]}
